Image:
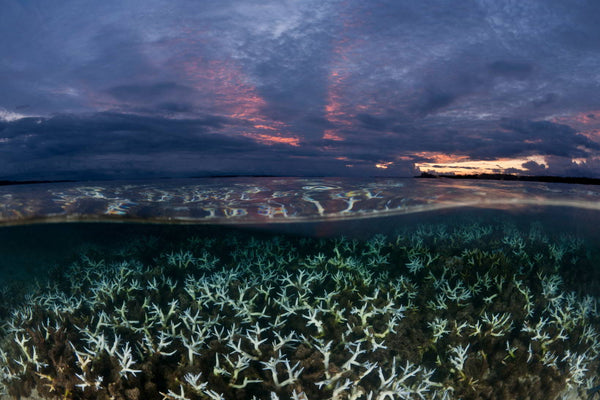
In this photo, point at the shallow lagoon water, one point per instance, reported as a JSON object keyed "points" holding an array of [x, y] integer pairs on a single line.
{"points": [[304, 289]]}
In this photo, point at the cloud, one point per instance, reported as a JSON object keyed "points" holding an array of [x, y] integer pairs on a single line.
{"points": [[94, 139], [534, 168], [373, 122], [10, 116], [511, 69], [433, 100], [154, 92], [545, 100], [546, 137], [110, 145], [206, 82]]}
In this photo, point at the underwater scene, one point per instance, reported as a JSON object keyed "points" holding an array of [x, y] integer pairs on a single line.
{"points": [[299, 200], [434, 290]]}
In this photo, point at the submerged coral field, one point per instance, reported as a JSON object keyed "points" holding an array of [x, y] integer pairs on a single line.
{"points": [[469, 311]]}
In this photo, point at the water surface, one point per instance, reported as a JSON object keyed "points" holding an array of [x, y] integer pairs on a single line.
{"points": [[296, 288]]}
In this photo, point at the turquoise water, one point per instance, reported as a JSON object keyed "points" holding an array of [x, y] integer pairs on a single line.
{"points": [[462, 303]]}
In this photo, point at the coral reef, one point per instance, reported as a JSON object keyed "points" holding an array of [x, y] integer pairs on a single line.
{"points": [[437, 312]]}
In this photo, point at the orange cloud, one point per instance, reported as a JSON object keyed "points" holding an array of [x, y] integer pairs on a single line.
{"points": [[270, 128], [340, 110], [384, 165], [334, 112], [590, 117], [271, 140], [441, 158], [593, 134], [330, 134], [587, 123], [226, 90], [465, 166]]}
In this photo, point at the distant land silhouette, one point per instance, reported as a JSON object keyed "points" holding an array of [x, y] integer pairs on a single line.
{"points": [[496, 177], [509, 177]]}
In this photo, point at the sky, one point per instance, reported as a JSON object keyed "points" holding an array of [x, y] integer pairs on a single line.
{"points": [[179, 88]]}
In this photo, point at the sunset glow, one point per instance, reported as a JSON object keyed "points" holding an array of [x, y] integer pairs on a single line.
{"points": [[234, 97], [462, 166], [384, 165], [271, 140]]}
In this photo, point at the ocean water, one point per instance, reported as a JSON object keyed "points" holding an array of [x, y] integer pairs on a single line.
{"points": [[300, 289]]}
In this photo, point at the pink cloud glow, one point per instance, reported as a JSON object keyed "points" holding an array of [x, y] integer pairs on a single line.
{"points": [[587, 123], [340, 108], [228, 91]]}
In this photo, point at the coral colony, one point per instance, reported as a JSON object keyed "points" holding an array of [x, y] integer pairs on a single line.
{"points": [[438, 312]]}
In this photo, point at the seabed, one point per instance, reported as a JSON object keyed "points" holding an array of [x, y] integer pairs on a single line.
{"points": [[464, 305]]}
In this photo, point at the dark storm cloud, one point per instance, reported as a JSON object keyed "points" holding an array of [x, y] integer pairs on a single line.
{"points": [[106, 141], [109, 145], [110, 133]]}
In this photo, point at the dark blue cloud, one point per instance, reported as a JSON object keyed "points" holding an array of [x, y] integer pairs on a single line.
{"points": [[154, 92], [511, 69], [109, 145]]}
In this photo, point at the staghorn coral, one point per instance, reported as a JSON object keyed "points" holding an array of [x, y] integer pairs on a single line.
{"points": [[438, 312]]}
